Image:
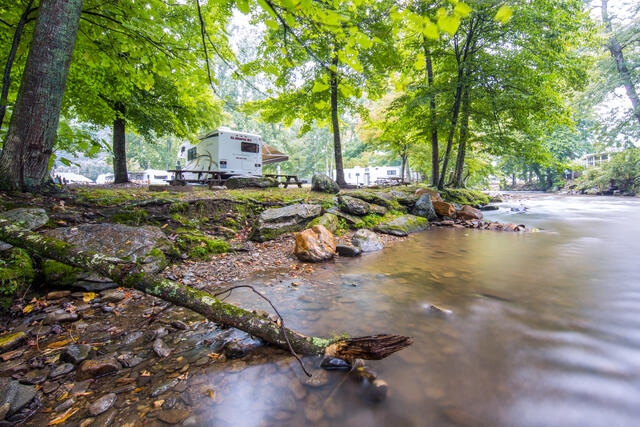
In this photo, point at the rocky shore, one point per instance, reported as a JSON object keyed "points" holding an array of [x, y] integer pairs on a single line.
{"points": [[115, 356]]}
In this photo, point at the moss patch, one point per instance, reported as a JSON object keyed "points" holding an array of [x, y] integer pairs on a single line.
{"points": [[463, 196], [16, 275], [199, 246]]}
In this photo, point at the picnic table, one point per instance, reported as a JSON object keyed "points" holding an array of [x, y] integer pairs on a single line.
{"points": [[209, 178], [285, 180]]}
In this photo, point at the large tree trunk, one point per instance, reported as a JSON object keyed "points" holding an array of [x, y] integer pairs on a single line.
{"points": [[433, 123], [130, 275], [462, 143], [335, 122], [6, 75], [120, 174], [623, 70], [25, 159]]}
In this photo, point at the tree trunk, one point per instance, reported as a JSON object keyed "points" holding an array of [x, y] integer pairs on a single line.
{"points": [[27, 149], [120, 175], [621, 64], [335, 122], [433, 123], [464, 136], [130, 275], [6, 75]]}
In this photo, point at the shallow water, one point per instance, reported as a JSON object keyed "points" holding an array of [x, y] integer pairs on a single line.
{"points": [[543, 328]]}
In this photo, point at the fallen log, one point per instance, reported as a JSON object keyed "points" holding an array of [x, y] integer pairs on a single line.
{"points": [[131, 275]]}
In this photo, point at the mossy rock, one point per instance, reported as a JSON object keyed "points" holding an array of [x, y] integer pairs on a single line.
{"points": [[16, 275], [198, 245], [462, 196], [328, 220], [403, 225], [60, 274]]}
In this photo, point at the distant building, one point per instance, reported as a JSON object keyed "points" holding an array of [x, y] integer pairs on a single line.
{"points": [[594, 159], [371, 175]]}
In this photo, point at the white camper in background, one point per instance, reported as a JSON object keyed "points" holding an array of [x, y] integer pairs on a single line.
{"points": [[224, 150]]}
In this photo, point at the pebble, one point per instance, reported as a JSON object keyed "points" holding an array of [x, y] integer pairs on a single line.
{"points": [[61, 370], [102, 404], [75, 353], [173, 416], [164, 387], [160, 348], [93, 368]]}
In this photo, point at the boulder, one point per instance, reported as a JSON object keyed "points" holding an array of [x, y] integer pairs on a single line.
{"points": [[328, 220], [367, 240], [277, 221], [444, 209], [424, 208], [403, 225], [28, 218], [433, 194], [324, 184], [120, 241], [250, 182], [353, 206], [469, 212], [315, 244], [348, 250]]}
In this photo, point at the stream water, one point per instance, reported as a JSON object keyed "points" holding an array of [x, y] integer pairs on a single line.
{"points": [[529, 329]]}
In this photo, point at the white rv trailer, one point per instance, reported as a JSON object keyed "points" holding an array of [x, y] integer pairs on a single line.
{"points": [[226, 151]]}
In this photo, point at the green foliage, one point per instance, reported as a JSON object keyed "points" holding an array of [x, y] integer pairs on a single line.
{"points": [[622, 172]]}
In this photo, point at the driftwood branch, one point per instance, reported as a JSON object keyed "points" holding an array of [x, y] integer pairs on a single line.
{"points": [[131, 275]]}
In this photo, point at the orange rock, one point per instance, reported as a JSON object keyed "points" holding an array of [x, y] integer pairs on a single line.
{"points": [[469, 212], [315, 244], [444, 208]]}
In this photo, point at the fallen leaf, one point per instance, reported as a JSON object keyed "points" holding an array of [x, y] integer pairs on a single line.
{"points": [[58, 344], [64, 417], [28, 309], [88, 296]]}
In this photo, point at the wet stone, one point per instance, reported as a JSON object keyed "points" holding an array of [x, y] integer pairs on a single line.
{"points": [[319, 378], [49, 387], [17, 396], [102, 404], [61, 370], [64, 405], [58, 295], [10, 355], [169, 403], [37, 376], [105, 419], [97, 367], [166, 386], [75, 353], [11, 341], [180, 325], [61, 316], [173, 416], [133, 337], [161, 348], [129, 360], [112, 295]]}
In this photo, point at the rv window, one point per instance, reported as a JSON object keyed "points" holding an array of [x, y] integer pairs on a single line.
{"points": [[249, 147], [192, 153]]}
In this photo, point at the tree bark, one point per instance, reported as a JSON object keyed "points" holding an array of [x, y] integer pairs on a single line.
{"points": [[6, 75], [433, 123], [130, 275], [335, 121], [621, 64], [462, 142], [34, 122], [120, 175]]}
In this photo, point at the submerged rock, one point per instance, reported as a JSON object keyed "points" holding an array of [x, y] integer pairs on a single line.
{"points": [[367, 241]]}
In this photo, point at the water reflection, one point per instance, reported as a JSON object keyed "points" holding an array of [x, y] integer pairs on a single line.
{"points": [[543, 327]]}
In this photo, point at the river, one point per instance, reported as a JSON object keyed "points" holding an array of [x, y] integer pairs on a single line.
{"points": [[511, 329]]}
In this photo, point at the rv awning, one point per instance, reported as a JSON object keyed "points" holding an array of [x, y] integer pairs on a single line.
{"points": [[271, 155]]}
